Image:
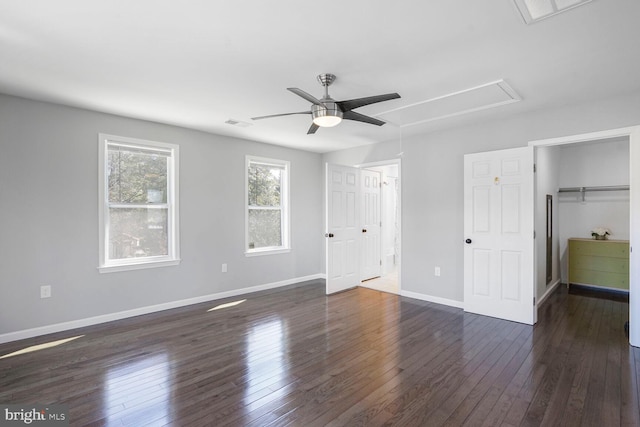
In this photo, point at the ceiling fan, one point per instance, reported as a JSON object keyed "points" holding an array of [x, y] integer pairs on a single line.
{"points": [[327, 112]]}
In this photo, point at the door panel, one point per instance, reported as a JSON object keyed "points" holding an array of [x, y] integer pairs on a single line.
{"points": [[371, 206], [481, 212], [498, 253], [343, 213], [481, 268]]}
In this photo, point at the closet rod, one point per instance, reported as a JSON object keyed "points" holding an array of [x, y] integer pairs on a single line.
{"points": [[602, 188], [583, 190]]}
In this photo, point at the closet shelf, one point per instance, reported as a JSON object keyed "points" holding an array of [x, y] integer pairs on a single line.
{"points": [[583, 190]]}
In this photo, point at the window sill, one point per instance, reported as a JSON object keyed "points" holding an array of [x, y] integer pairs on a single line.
{"points": [[260, 252], [138, 266]]}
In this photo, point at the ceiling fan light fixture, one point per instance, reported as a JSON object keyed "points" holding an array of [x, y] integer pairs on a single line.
{"points": [[327, 121], [326, 117]]}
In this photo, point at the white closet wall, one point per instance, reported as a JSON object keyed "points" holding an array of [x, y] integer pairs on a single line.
{"points": [[602, 163]]}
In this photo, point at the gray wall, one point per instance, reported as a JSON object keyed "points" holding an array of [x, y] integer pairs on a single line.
{"points": [[49, 217], [432, 187]]}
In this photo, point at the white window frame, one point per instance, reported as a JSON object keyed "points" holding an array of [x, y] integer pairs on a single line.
{"points": [[107, 265], [284, 203]]}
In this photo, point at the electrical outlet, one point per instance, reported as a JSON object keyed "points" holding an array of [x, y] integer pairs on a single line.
{"points": [[437, 272], [45, 291], [224, 268]]}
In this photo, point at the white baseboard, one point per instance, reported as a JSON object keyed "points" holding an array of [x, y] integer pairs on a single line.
{"points": [[80, 323], [548, 292], [429, 298], [460, 304]]}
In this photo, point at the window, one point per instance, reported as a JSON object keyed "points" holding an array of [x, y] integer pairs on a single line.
{"points": [[267, 213], [138, 203]]}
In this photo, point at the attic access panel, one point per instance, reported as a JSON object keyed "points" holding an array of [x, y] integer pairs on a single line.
{"points": [[462, 102]]}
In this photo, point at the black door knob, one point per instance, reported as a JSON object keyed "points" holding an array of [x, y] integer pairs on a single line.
{"points": [[468, 241]]}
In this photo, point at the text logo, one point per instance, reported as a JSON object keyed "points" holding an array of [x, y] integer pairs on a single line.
{"points": [[35, 415]]}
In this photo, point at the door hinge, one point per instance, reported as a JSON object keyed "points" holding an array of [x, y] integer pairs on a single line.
{"points": [[534, 301], [534, 234], [534, 168], [380, 262], [380, 223]]}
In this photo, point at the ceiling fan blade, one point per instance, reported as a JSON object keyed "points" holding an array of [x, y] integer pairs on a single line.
{"points": [[352, 115], [312, 99], [279, 115], [360, 102], [314, 127]]}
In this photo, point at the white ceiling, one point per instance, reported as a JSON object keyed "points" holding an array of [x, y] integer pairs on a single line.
{"points": [[198, 63]]}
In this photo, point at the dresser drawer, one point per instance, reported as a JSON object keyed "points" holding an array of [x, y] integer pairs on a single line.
{"points": [[599, 248], [599, 278], [600, 263]]}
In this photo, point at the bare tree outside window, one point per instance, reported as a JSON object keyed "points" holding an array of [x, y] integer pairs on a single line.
{"points": [[138, 203], [266, 208], [137, 186]]}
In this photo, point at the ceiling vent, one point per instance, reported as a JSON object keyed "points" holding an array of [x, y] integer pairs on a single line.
{"points": [[465, 101], [536, 10]]}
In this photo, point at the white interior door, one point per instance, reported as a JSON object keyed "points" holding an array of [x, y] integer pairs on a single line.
{"points": [[343, 227], [498, 227], [371, 244]]}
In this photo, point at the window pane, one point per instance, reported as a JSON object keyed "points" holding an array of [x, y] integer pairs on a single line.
{"points": [[265, 182], [264, 228], [136, 176], [137, 232]]}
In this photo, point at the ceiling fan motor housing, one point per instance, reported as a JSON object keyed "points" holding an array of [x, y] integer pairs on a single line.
{"points": [[329, 116]]}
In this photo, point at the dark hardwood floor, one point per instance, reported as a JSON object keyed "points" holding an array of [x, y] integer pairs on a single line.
{"points": [[296, 357]]}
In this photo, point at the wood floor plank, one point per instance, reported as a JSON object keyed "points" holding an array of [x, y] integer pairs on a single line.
{"points": [[293, 356], [558, 351], [374, 402], [593, 413], [398, 394], [573, 413], [445, 407], [408, 347], [567, 365]]}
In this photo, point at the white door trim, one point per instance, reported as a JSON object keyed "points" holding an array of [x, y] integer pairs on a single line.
{"points": [[633, 133], [398, 201]]}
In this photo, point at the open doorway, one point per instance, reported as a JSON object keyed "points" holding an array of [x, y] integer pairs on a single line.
{"points": [[630, 136], [390, 227], [582, 188]]}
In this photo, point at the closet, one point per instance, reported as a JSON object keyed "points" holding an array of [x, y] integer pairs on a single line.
{"points": [[596, 159], [593, 193]]}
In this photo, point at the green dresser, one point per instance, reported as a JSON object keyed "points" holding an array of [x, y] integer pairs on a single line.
{"points": [[602, 263]]}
